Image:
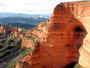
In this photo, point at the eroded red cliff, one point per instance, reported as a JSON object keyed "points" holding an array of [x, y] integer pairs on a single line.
{"points": [[59, 39]]}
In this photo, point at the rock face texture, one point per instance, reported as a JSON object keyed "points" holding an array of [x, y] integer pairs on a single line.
{"points": [[63, 37], [57, 42], [84, 17], [82, 13]]}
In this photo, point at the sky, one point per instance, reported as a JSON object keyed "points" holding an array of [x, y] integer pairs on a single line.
{"points": [[29, 6]]}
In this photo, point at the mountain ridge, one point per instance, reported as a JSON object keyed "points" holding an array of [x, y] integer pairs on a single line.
{"points": [[21, 15]]}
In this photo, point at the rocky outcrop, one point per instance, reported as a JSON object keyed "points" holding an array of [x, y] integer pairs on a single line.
{"points": [[64, 35], [56, 41], [84, 59]]}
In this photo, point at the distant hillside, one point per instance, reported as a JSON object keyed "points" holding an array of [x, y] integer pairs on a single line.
{"points": [[26, 20], [20, 15], [23, 25], [22, 20]]}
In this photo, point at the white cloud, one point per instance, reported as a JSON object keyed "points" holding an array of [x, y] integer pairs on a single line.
{"points": [[29, 6]]}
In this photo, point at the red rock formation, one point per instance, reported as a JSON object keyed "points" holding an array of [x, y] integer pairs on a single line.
{"points": [[64, 36], [84, 17]]}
